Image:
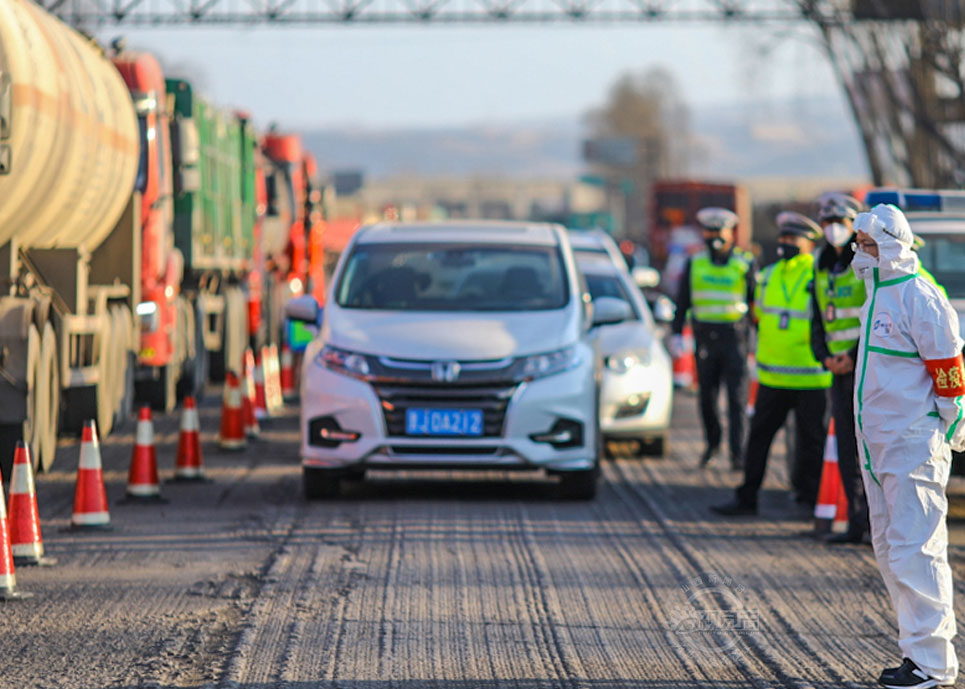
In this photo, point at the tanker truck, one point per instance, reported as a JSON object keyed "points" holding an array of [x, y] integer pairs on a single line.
{"points": [[126, 209]]}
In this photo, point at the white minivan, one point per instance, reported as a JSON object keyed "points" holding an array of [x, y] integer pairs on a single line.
{"points": [[448, 346]]}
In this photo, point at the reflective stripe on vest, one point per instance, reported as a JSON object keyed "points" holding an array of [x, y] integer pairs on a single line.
{"points": [[847, 294], [718, 293], [784, 357]]}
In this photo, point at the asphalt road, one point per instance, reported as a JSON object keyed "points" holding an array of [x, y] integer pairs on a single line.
{"points": [[440, 580]]}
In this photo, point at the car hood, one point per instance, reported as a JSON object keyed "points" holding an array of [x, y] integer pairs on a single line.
{"points": [[463, 336], [622, 337]]}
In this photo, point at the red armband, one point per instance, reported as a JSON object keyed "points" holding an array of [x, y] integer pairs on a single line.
{"points": [[948, 376]]}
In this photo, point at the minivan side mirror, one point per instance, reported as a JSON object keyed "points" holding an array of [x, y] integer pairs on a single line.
{"points": [[610, 310], [664, 309], [304, 309]]}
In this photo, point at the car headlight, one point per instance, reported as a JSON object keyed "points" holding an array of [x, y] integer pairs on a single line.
{"points": [[349, 363], [622, 362], [548, 364]]}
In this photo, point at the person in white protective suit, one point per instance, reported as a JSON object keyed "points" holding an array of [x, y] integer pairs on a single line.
{"points": [[909, 410]]}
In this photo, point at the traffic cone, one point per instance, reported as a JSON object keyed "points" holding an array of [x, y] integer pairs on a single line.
{"points": [[232, 436], [142, 481], [188, 466], [261, 408], [8, 578], [90, 499], [24, 521], [273, 394], [832, 503], [685, 365], [287, 373], [248, 396]]}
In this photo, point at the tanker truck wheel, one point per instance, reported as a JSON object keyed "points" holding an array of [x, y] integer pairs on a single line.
{"points": [[48, 386], [124, 381], [103, 406]]}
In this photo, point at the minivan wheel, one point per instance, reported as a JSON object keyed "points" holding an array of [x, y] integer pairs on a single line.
{"points": [[579, 485], [321, 483]]}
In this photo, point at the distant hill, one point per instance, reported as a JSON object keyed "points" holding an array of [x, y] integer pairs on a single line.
{"points": [[793, 139]]}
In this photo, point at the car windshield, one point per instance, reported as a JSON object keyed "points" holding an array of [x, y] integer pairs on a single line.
{"points": [[609, 286], [453, 277], [944, 257]]}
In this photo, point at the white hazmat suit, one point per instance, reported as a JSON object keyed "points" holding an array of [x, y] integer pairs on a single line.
{"points": [[909, 413]]}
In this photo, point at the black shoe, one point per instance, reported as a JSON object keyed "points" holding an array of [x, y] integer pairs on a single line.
{"points": [[734, 509], [906, 675], [707, 456], [845, 538], [736, 463]]}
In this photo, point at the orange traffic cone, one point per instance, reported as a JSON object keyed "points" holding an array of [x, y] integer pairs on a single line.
{"points": [[24, 521], [189, 465], [685, 365], [832, 504], [232, 436], [8, 578], [261, 407], [287, 372], [248, 396], [142, 481], [273, 393], [90, 499]]}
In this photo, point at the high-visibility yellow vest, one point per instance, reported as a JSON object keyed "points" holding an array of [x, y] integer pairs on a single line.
{"points": [[840, 297], [783, 306], [718, 293]]}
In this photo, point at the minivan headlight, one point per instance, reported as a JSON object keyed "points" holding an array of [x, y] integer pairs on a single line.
{"points": [[548, 364], [621, 362], [342, 361]]}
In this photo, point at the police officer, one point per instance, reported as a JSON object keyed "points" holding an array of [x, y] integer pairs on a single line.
{"points": [[836, 299], [717, 288], [789, 375]]}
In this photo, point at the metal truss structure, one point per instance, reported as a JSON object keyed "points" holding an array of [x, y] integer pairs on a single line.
{"points": [[89, 13], [901, 62]]}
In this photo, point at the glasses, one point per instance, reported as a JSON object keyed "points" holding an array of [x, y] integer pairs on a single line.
{"points": [[863, 246]]}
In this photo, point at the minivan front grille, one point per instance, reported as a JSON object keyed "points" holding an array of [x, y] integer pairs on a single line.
{"points": [[492, 400]]}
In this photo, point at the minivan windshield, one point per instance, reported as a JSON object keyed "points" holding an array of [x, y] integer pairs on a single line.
{"points": [[453, 277]]}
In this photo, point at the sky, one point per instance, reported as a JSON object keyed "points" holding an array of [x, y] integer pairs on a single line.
{"points": [[442, 75]]}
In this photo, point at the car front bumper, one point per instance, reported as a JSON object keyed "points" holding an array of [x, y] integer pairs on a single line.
{"points": [[534, 408]]}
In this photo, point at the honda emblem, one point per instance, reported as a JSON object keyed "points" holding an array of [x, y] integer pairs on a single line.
{"points": [[445, 371]]}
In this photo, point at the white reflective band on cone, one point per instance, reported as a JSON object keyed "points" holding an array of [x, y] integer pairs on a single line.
{"points": [[145, 433], [231, 443], [31, 550], [234, 398], [826, 511], [8, 582], [189, 420], [187, 472], [90, 456], [90, 518], [23, 480], [143, 489]]}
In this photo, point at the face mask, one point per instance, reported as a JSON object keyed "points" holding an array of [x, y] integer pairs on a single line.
{"points": [[862, 263], [714, 243], [837, 234], [788, 251]]}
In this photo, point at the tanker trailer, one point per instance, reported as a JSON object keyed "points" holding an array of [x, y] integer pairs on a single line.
{"points": [[69, 243]]}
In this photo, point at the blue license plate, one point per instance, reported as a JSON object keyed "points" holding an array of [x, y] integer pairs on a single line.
{"points": [[443, 422]]}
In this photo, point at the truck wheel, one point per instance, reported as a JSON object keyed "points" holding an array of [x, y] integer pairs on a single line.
{"points": [[49, 386], [36, 414], [103, 403], [120, 350], [321, 483]]}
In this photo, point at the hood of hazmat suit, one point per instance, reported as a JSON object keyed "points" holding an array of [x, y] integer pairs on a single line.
{"points": [[909, 412]]}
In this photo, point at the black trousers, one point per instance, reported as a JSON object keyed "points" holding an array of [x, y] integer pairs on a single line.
{"points": [[721, 357], [842, 409], [773, 405]]}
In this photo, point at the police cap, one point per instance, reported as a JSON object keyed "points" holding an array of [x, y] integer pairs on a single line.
{"points": [[790, 222], [716, 219], [834, 205]]}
